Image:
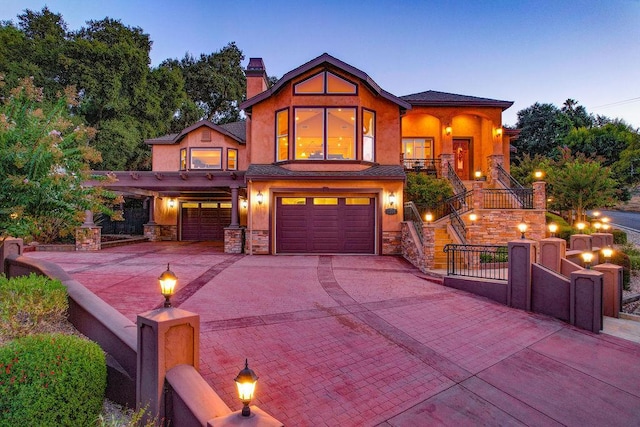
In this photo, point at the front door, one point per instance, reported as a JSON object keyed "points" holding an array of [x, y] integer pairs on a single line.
{"points": [[461, 158]]}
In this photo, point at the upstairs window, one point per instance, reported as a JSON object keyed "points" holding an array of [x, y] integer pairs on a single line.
{"points": [[325, 133], [232, 159], [206, 158], [282, 135], [183, 159], [368, 135], [416, 151], [325, 83]]}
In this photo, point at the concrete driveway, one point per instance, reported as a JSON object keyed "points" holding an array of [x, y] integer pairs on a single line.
{"points": [[368, 341]]}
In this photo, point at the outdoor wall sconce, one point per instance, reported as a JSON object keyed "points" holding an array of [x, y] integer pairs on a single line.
{"points": [[553, 229], [473, 218], [587, 257], [428, 217], [522, 227], [607, 253], [538, 175], [171, 203], [448, 130], [244, 204], [392, 199], [499, 132], [259, 197], [478, 175], [246, 384], [168, 282]]}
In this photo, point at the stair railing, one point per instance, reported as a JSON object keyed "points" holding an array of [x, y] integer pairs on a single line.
{"points": [[412, 215], [454, 179], [524, 196]]}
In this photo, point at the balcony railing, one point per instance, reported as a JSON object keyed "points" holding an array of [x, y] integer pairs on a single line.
{"points": [[483, 261], [417, 164]]}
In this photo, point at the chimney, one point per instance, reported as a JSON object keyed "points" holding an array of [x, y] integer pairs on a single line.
{"points": [[256, 77]]}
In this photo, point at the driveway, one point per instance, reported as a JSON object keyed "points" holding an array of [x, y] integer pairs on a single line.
{"points": [[368, 341]]}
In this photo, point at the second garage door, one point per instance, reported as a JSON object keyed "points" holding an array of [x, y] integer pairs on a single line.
{"points": [[325, 225], [205, 220]]}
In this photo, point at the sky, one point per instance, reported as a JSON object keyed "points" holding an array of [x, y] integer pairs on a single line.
{"points": [[522, 51]]}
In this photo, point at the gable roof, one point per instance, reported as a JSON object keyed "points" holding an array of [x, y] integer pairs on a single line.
{"points": [[232, 130], [443, 99], [325, 58]]}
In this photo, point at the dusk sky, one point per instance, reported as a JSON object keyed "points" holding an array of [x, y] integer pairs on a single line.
{"points": [[523, 51]]}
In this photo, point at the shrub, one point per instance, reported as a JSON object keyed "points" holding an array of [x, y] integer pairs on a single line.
{"points": [[622, 259], [619, 237], [423, 189], [52, 378], [30, 304]]}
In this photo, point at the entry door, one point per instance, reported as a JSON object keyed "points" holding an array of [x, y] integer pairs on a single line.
{"points": [[461, 158]]}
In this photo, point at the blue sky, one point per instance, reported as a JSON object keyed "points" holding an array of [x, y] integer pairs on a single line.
{"points": [[521, 51]]}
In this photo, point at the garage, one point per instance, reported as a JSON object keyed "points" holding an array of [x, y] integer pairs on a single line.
{"points": [[204, 220], [343, 225]]}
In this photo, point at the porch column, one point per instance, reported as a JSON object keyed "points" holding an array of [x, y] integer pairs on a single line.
{"points": [[492, 174], [539, 195], [152, 231], [152, 204], [234, 208]]}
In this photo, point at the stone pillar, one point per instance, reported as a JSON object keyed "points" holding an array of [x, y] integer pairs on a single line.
{"points": [[9, 246], [88, 235], [552, 250], [522, 255], [492, 175], [473, 233], [611, 288], [429, 246], [580, 242], [478, 201], [233, 240], [601, 240], [445, 160], [151, 230], [167, 337], [234, 208], [539, 195], [585, 301]]}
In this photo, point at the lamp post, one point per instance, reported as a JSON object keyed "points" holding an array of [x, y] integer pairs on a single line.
{"points": [[428, 217], [168, 282], [580, 226], [538, 175], [522, 227], [587, 257], [607, 253], [246, 384], [473, 218], [478, 175], [553, 229]]}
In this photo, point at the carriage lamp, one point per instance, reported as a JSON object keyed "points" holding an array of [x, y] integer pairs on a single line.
{"points": [[448, 130], [553, 229], [473, 218], [428, 217], [171, 203], [246, 384], [538, 175], [587, 257], [580, 226], [478, 175], [168, 282], [244, 204], [259, 197], [522, 227], [499, 132], [607, 253], [392, 198]]}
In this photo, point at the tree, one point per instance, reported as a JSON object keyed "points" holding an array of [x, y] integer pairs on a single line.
{"points": [[576, 115], [44, 163], [606, 141], [542, 128], [577, 183]]}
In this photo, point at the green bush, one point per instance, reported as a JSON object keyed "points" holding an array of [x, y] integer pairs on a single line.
{"points": [[623, 260], [619, 237], [423, 189], [51, 380], [565, 230], [30, 304]]}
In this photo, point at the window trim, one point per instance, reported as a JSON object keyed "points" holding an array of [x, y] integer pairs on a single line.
{"points": [[325, 85], [192, 149], [229, 150], [184, 161], [325, 133], [288, 134]]}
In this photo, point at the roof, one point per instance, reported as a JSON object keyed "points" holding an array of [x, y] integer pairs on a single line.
{"points": [[238, 128], [232, 130], [379, 172], [444, 99], [325, 58]]}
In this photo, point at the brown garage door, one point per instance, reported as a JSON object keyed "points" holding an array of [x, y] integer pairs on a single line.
{"points": [[205, 221], [325, 225]]}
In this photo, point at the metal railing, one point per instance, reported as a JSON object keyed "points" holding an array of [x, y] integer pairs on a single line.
{"points": [[461, 203], [523, 195], [483, 261], [454, 179], [511, 198], [458, 226], [506, 179], [411, 214], [417, 164]]}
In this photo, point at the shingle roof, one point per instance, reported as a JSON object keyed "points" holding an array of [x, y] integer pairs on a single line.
{"points": [[440, 99], [176, 137], [325, 58], [256, 171], [238, 128]]}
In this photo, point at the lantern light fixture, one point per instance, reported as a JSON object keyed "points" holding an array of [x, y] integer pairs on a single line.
{"points": [[607, 253], [473, 217], [246, 384], [392, 198], [553, 229], [244, 203], [259, 197], [596, 213], [448, 130], [522, 227], [168, 282], [478, 175], [606, 227], [605, 219], [587, 257], [499, 132], [580, 226], [428, 217], [171, 203], [597, 225], [538, 175]]}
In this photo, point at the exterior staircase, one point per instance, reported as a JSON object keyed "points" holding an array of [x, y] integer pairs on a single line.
{"points": [[442, 239]]}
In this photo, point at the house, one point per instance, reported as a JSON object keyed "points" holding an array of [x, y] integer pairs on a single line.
{"points": [[319, 164]]}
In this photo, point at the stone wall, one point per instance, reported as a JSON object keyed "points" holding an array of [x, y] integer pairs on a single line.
{"points": [[257, 242], [88, 238], [391, 242], [233, 240], [498, 226]]}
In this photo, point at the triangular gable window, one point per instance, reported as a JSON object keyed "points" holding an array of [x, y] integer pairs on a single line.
{"points": [[325, 83]]}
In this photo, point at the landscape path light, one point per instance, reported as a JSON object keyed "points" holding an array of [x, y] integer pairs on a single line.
{"points": [[168, 282], [580, 226], [597, 225], [607, 253], [428, 217], [246, 384], [553, 229], [587, 257], [522, 227], [538, 175]]}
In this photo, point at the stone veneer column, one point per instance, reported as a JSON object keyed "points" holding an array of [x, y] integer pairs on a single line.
{"points": [[9, 246], [539, 195], [233, 240], [429, 246], [445, 160], [88, 235], [152, 231], [492, 176], [478, 201]]}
